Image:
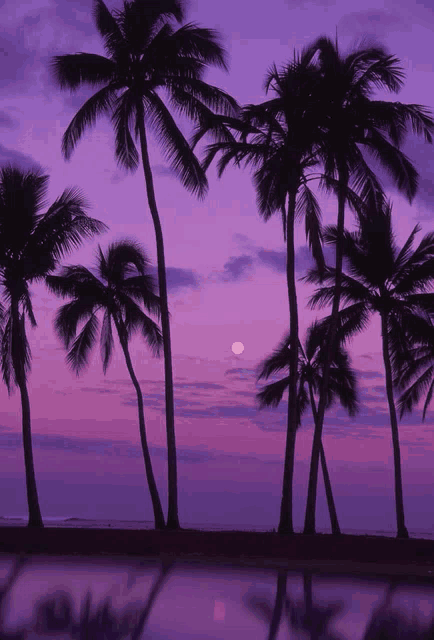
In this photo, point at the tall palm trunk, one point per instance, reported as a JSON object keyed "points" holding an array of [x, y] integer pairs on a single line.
{"points": [[402, 529], [156, 503], [309, 522], [286, 523], [35, 518], [327, 484], [172, 516]]}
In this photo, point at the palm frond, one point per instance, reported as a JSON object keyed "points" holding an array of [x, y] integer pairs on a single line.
{"points": [[6, 354], [272, 393], [79, 353], [71, 71], [22, 193], [108, 28], [69, 315], [123, 118], [136, 319], [106, 340], [65, 225], [279, 360], [198, 43], [405, 253], [101, 102], [308, 204], [395, 161], [142, 289], [414, 392], [175, 147]]}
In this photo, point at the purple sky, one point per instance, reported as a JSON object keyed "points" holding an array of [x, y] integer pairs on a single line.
{"points": [[226, 280]]}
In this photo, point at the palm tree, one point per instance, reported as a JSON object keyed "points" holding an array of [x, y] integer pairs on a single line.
{"points": [[350, 120], [146, 55], [279, 138], [342, 387], [31, 245], [381, 280], [122, 281]]}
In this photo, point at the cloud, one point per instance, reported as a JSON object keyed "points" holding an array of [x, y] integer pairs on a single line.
{"points": [[377, 23], [115, 448], [16, 158], [7, 122], [163, 171], [177, 278]]}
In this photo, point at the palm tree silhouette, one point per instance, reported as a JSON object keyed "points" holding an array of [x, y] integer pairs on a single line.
{"points": [[381, 280], [122, 280], [146, 55], [342, 387], [31, 245], [278, 137], [351, 119]]}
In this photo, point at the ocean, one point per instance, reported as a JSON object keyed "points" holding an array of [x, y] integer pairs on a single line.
{"points": [[73, 522]]}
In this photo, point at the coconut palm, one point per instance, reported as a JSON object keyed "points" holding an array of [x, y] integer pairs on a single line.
{"points": [[279, 138], [31, 245], [342, 387], [122, 281], [147, 57], [352, 121], [378, 279]]}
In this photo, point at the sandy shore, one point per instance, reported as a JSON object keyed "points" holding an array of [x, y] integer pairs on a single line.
{"points": [[321, 552]]}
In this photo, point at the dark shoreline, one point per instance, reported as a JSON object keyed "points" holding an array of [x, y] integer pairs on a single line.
{"points": [[342, 554]]}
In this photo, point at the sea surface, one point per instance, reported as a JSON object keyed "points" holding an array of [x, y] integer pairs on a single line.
{"points": [[73, 522]]}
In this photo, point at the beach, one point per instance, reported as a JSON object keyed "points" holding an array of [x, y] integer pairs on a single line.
{"points": [[344, 554]]}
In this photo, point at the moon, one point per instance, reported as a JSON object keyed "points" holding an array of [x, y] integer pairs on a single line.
{"points": [[238, 347]]}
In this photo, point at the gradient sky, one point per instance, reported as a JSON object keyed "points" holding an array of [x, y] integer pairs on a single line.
{"points": [[225, 269]]}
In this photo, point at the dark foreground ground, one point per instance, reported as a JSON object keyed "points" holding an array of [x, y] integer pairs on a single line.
{"points": [[323, 552]]}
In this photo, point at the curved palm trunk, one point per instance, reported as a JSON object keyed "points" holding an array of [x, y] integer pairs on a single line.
{"points": [[35, 518], [327, 484], [309, 522], [156, 503], [172, 517], [286, 523], [402, 529]]}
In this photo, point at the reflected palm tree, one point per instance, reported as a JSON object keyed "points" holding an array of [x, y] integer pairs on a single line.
{"points": [[313, 621], [122, 280], [31, 245], [149, 61], [379, 279], [353, 122], [19, 565], [54, 614], [342, 387]]}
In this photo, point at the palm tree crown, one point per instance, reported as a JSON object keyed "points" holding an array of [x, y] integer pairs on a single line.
{"points": [[343, 382], [122, 282], [146, 56], [31, 245], [380, 278]]}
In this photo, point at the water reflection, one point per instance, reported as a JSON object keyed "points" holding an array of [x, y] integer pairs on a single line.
{"points": [[168, 598]]}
